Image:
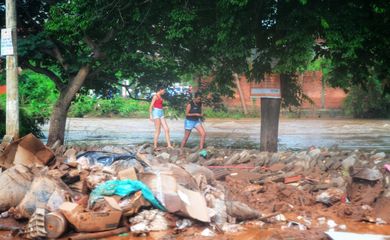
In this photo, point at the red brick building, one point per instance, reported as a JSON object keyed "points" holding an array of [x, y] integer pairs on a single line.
{"points": [[323, 97]]}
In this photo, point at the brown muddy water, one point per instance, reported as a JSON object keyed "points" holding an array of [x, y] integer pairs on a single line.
{"points": [[294, 134]]}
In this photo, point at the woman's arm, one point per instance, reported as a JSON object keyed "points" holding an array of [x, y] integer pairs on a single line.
{"points": [[151, 106]]}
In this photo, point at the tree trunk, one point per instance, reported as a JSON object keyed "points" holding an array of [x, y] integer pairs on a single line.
{"points": [[60, 110], [270, 110]]}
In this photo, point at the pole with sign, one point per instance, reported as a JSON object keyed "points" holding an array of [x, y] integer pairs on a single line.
{"points": [[269, 92], [8, 48]]}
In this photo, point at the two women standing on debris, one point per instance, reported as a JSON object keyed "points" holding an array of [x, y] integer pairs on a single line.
{"points": [[157, 116], [194, 116]]}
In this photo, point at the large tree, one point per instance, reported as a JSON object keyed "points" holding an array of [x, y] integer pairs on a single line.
{"points": [[93, 44], [88, 42], [285, 36]]}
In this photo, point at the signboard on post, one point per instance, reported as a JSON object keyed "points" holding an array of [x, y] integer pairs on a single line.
{"points": [[7, 47], [268, 88]]}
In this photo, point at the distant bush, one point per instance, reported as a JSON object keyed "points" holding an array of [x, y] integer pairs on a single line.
{"points": [[234, 114], [367, 103], [91, 106], [37, 95], [27, 124]]}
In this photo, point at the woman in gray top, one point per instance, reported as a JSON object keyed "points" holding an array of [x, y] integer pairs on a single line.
{"points": [[193, 119]]}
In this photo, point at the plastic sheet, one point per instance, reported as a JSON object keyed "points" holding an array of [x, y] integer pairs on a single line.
{"points": [[123, 188], [105, 158]]}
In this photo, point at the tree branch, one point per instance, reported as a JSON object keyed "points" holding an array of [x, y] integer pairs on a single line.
{"points": [[56, 54], [130, 95], [57, 80], [97, 53]]}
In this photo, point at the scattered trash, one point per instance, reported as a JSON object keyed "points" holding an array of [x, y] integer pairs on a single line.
{"points": [[90, 189], [292, 179], [331, 224], [131, 205], [321, 220], [45, 192], [15, 182], [96, 235], [123, 188], [4, 214], [241, 211], [35, 227], [367, 174], [148, 220], [330, 196], [92, 221], [355, 236], [103, 158], [296, 225], [232, 228], [183, 223], [380, 221], [280, 218], [207, 233], [342, 227], [27, 151], [203, 153], [176, 198], [55, 225], [387, 167]]}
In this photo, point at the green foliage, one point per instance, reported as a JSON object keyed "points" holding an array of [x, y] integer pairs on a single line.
{"points": [[121, 107], [367, 103], [234, 114], [37, 95], [82, 106], [27, 124]]}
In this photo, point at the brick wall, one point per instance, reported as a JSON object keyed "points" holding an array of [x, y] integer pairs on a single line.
{"points": [[311, 83]]}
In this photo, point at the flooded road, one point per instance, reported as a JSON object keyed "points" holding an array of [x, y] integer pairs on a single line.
{"points": [[293, 133]]}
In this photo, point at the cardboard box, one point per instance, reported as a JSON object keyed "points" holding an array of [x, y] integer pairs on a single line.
{"points": [[128, 174], [27, 151], [164, 188], [193, 204], [176, 198], [87, 221]]}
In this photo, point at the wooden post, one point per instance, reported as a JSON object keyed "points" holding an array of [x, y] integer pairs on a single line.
{"points": [[270, 109], [12, 108], [242, 99], [323, 91]]}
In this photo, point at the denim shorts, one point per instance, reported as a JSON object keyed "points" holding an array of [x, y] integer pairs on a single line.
{"points": [[157, 113], [190, 124]]}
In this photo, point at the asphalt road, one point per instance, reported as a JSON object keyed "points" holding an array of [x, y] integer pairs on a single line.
{"points": [[293, 133]]}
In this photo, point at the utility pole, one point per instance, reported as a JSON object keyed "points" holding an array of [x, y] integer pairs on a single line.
{"points": [[12, 108]]}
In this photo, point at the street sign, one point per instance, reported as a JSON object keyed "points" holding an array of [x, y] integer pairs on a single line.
{"points": [[267, 88], [7, 47]]}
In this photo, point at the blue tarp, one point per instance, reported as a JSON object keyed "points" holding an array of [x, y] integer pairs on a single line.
{"points": [[123, 188]]}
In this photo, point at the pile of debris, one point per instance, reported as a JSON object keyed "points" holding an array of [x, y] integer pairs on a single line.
{"points": [[93, 193], [316, 190]]}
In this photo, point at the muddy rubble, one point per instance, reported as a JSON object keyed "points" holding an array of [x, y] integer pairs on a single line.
{"points": [[74, 192]]}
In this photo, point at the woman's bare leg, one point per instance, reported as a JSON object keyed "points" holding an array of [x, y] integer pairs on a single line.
{"points": [[187, 134], [166, 129], [157, 125], [202, 134]]}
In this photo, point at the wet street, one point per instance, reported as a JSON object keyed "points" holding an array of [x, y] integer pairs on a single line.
{"points": [[293, 133]]}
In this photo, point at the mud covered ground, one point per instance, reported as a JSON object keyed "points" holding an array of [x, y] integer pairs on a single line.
{"points": [[300, 194]]}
